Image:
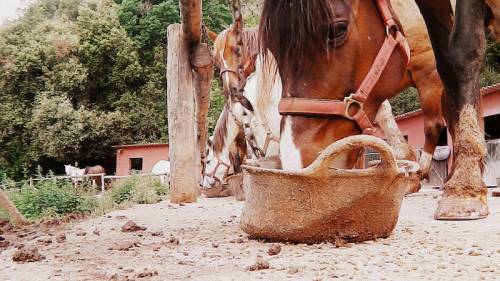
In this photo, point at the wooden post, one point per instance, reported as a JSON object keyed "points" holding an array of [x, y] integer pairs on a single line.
{"points": [[201, 60], [102, 184], [6, 204], [181, 118], [191, 20]]}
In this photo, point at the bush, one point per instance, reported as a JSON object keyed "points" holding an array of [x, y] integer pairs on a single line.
{"points": [[123, 192], [141, 190], [50, 198]]}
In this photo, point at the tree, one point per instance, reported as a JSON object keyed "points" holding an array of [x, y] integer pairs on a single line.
{"points": [[78, 76]]}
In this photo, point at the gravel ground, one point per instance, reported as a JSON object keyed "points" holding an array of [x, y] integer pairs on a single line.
{"points": [[202, 241]]}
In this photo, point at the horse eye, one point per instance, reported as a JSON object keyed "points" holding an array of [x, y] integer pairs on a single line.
{"points": [[338, 32]]}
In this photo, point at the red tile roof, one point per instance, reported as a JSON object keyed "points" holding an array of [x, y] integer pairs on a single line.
{"points": [[139, 145]]}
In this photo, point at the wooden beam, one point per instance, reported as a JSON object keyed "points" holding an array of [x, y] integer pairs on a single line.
{"points": [[201, 60], [6, 204], [191, 20], [181, 118]]}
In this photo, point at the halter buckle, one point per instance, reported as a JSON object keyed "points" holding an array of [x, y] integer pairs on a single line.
{"points": [[349, 101]]}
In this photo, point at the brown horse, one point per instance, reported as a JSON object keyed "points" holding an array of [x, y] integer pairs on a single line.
{"points": [[459, 48], [422, 72], [225, 45], [325, 49], [98, 169]]}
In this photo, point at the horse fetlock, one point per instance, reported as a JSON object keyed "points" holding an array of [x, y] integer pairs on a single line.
{"points": [[465, 194], [425, 164], [469, 136]]}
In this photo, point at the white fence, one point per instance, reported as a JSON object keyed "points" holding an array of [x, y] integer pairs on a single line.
{"points": [[102, 179]]}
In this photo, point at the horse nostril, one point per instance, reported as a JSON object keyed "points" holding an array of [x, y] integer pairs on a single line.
{"points": [[234, 89]]}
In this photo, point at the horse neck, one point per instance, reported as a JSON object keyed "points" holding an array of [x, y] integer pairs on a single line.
{"points": [[226, 131]]}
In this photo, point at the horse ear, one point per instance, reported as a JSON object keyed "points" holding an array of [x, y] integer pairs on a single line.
{"points": [[238, 23], [211, 34]]}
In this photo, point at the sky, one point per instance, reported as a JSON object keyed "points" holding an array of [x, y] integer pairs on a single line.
{"points": [[9, 9]]}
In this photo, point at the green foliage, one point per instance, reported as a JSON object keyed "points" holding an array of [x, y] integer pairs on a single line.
{"points": [[123, 192], [407, 101], [489, 76], [50, 198], [217, 101], [139, 190], [493, 54], [159, 188]]}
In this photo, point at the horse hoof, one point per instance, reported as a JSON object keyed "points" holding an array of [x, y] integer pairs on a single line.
{"points": [[457, 208]]}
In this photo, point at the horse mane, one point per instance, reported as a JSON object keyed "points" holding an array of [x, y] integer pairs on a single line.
{"points": [[267, 76], [250, 39], [220, 131], [290, 27]]}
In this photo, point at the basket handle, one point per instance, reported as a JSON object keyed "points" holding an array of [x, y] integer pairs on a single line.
{"points": [[354, 142]]}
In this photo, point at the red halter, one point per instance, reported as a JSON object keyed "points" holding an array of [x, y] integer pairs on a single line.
{"points": [[219, 163], [322, 107]]}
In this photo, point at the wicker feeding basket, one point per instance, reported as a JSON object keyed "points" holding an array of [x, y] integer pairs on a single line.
{"points": [[232, 187], [320, 203], [235, 183]]}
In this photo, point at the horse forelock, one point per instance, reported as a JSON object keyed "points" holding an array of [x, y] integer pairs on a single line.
{"points": [[249, 38], [289, 28]]}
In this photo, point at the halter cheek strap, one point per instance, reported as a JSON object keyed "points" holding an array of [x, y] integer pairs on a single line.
{"points": [[219, 163], [322, 107]]}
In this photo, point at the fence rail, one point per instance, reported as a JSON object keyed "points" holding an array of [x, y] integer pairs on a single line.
{"points": [[102, 176]]}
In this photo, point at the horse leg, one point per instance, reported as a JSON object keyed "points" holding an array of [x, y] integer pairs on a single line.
{"points": [[11, 209], [402, 149], [385, 119], [430, 89], [460, 58]]}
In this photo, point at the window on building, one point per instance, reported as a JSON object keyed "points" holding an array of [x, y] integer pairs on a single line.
{"points": [[136, 164], [492, 127]]}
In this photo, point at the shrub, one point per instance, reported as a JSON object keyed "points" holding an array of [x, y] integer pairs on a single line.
{"points": [[160, 188], [50, 198], [123, 192], [141, 190]]}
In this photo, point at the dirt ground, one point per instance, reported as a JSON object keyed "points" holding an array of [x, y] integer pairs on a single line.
{"points": [[202, 241]]}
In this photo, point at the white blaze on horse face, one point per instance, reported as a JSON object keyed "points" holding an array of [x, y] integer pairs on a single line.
{"points": [[290, 157], [213, 167], [226, 74]]}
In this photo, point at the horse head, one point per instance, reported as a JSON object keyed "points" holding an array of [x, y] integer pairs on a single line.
{"points": [[324, 50], [225, 149], [235, 67], [67, 169]]}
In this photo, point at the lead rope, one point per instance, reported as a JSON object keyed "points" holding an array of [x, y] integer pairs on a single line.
{"points": [[247, 130], [205, 39], [238, 27]]}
